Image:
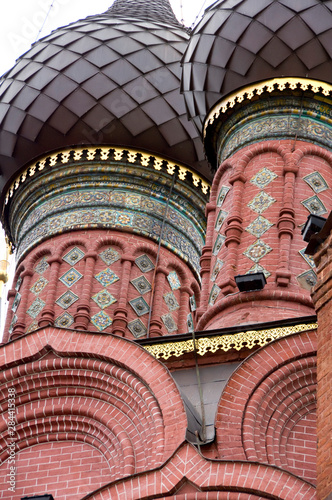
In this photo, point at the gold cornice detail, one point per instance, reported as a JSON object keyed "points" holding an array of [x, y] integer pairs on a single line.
{"points": [[247, 339], [105, 154], [281, 84]]}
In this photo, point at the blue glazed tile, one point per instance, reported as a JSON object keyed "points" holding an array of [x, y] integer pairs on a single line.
{"points": [[70, 277], [107, 277]]}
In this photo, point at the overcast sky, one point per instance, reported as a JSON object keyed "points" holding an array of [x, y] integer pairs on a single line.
{"points": [[22, 20]]}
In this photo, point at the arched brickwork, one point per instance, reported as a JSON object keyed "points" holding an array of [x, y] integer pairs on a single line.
{"points": [[267, 410]]}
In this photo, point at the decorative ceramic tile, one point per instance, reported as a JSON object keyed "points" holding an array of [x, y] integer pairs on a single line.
{"points": [[307, 280], [73, 256], [104, 299], [64, 321], [190, 323], [66, 299], [222, 195], [314, 205], [259, 226], [70, 277], [141, 284], [39, 285], [316, 181], [101, 320], [35, 308], [173, 280], [220, 219], [107, 277], [257, 250], [263, 178], [192, 302], [171, 301], [307, 258], [32, 327], [218, 244], [144, 263], [169, 323], [137, 328], [18, 283], [109, 256], [261, 202], [16, 302], [257, 268], [218, 265], [42, 266], [140, 306], [215, 290], [12, 323]]}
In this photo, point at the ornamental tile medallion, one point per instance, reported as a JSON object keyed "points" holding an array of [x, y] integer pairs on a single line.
{"points": [[67, 299], [18, 283], [104, 299], [218, 244], [257, 268], [141, 284], [109, 256], [215, 290], [314, 205], [39, 285], [307, 258], [101, 320], [217, 267], [107, 277], [261, 202], [171, 301], [190, 323], [16, 302], [64, 321], [137, 328], [259, 226], [71, 277], [173, 280], [263, 178], [73, 256], [144, 263], [42, 266], [169, 323], [220, 219], [222, 195], [257, 251], [192, 302], [140, 306], [316, 181], [307, 280], [35, 308], [33, 326]]}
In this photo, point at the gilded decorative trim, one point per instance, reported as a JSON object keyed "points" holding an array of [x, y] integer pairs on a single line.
{"points": [[281, 84], [107, 154], [238, 341]]}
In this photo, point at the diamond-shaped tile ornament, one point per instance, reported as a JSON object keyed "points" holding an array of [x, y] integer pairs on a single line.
{"points": [[171, 301], [307, 258], [220, 219], [32, 327], [222, 195], [216, 269], [316, 181], [18, 283], [257, 250], [137, 328], [42, 266], [101, 320], [109, 256], [190, 323], [257, 268], [141, 284], [39, 285], [35, 308], [263, 178], [144, 263], [67, 299], [218, 244], [314, 205], [70, 277], [259, 226], [215, 290], [140, 306], [192, 302], [307, 280], [104, 299], [261, 202], [107, 277], [169, 323], [12, 323], [64, 321], [73, 256], [16, 302], [173, 280]]}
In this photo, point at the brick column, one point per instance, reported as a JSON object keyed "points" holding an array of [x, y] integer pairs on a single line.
{"points": [[20, 326], [82, 315], [159, 286], [120, 319], [47, 314]]}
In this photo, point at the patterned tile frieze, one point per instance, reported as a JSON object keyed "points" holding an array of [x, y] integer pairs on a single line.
{"points": [[107, 277], [71, 277], [215, 290], [216, 269], [314, 205], [104, 299], [109, 256], [173, 280], [171, 301], [220, 219], [65, 320], [257, 268], [137, 328], [101, 320], [307, 258], [73, 256], [259, 226], [307, 280], [39, 285], [141, 284], [220, 240], [316, 181], [42, 266], [36, 307], [67, 299], [263, 178], [140, 306], [261, 202], [257, 250], [169, 323], [222, 195]]}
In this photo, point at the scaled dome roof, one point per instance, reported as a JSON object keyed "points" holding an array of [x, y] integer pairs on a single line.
{"points": [[108, 79], [240, 42]]}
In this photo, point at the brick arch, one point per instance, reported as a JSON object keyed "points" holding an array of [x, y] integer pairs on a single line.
{"points": [[109, 239], [268, 397]]}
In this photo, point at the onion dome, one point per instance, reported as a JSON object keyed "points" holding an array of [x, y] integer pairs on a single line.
{"points": [[239, 42], [109, 79]]}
